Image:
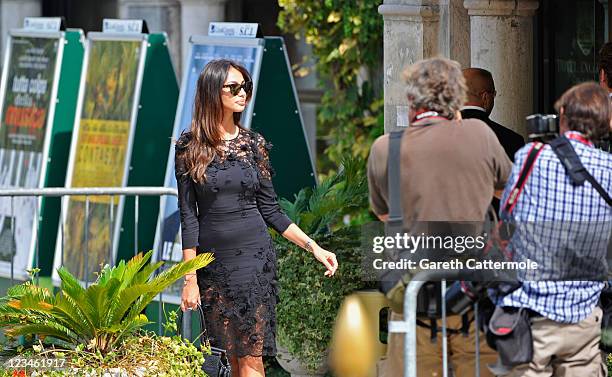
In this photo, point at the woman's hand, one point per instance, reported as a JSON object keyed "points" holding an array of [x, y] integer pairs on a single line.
{"points": [[190, 298], [327, 258]]}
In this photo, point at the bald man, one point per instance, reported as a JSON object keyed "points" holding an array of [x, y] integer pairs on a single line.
{"points": [[481, 99]]}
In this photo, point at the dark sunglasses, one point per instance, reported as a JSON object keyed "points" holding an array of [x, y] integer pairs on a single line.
{"points": [[235, 87]]}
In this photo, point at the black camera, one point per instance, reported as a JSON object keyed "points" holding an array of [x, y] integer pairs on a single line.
{"points": [[542, 127], [461, 295], [545, 127]]}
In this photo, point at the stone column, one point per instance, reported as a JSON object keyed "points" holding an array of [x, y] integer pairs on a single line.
{"points": [[12, 13], [195, 17], [501, 34], [414, 30], [454, 35], [161, 16], [410, 34]]}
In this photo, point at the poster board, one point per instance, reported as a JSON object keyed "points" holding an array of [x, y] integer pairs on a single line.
{"points": [[126, 108], [28, 97], [100, 151]]}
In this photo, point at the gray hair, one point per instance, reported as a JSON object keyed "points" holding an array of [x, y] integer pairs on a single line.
{"points": [[436, 84]]}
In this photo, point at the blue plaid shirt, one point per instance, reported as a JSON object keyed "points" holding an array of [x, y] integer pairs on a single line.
{"points": [[570, 220]]}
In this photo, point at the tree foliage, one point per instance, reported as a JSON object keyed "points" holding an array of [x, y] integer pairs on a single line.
{"points": [[346, 40]]}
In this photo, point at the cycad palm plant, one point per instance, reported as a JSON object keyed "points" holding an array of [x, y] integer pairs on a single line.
{"points": [[316, 210], [98, 316]]}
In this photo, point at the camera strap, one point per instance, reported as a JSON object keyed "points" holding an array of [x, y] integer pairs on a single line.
{"points": [[511, 201], [534, 152], [574, 167], [395, 220], [396, 217]]}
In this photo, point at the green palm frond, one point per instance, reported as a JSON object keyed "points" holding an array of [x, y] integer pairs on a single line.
{"points": [[317, 210], [125, 301], [168, 277], [65, 311], [47, 329], [133, 266], [146, 273], [129, 326], [71, 287]]}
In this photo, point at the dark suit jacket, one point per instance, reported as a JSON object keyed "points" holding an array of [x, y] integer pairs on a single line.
{"points": [[510, 140]]}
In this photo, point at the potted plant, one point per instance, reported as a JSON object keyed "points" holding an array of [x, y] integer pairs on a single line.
{"points": [[332, 214], [99, 328]]}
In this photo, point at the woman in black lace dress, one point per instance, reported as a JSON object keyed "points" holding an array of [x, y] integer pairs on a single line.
{"points": [[227, 202]]}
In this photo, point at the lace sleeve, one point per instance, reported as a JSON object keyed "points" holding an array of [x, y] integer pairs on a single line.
{"points": [[263, 157], [267, 201], [187, 202]]}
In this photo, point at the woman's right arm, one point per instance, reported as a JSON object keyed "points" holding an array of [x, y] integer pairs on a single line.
{"points": [[188, 212], [190, 297]]}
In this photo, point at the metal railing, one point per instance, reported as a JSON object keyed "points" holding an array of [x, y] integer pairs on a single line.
{"points": [[409, 324], [62, 192]]}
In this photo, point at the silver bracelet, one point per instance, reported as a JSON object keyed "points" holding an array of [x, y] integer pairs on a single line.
{"points": [[186, 278], [308, 245]]}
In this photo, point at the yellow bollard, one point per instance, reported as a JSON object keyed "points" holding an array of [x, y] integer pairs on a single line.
{"points": [[352, 352]]}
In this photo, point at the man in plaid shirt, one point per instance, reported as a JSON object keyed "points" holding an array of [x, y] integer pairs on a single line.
{"points": [[566, 230]]}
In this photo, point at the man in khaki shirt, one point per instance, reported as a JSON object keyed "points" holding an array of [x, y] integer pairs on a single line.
{"points": [[450, 170]]}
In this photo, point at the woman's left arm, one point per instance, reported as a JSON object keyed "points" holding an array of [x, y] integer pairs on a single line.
{"points": [[267, 203], [298, 237]]}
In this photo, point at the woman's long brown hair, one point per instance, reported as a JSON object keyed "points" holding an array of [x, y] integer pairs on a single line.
{"points": [[207, 115]]}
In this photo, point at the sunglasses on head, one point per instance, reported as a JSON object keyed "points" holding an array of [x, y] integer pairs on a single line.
{"points": [[234, 88]]}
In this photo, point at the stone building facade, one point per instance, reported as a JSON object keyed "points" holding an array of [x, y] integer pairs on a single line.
{"points": [[535, 48]]}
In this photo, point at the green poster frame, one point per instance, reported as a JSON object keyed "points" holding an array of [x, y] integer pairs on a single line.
{"points": [[152, 112], [58, 128], [59, 148], [277, 99], [153, 149]]}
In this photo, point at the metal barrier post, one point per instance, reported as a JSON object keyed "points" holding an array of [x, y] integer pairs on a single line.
{"points": [[477, 341], [36, 251], [111, 225], [444, 333], [409, 326], [86, 241], [410, 344], [136, 224], [13, 252], [61, 224]]}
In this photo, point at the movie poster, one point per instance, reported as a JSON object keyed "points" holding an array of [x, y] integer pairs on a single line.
{"points": [[168, 238], [26, 101], [101, 155]]}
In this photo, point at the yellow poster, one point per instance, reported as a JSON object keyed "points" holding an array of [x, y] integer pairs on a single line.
{"points": [[101, 154]]}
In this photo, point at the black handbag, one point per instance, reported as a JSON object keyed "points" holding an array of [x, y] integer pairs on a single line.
{"points": [[216, 364]]}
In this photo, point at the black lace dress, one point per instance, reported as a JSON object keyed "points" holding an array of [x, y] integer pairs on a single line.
{"points": [[229, 216]]}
